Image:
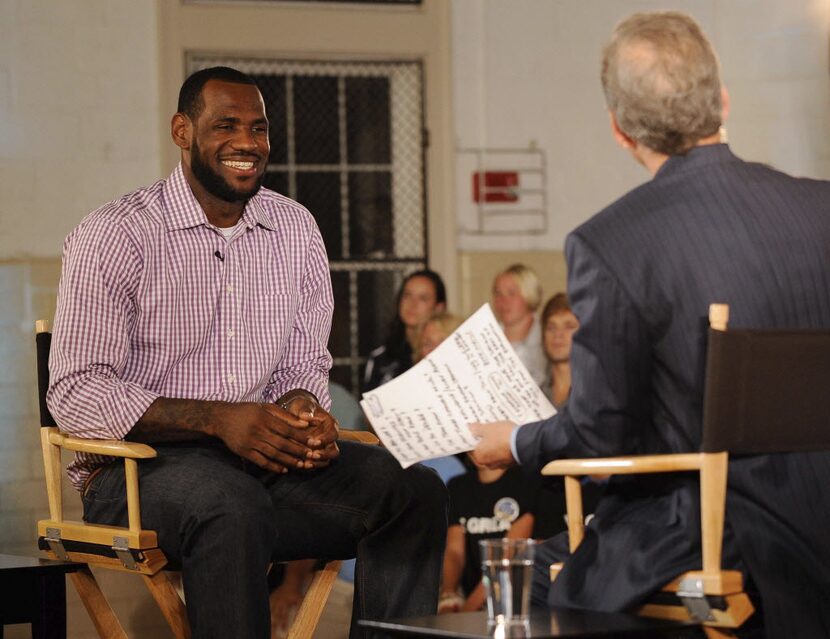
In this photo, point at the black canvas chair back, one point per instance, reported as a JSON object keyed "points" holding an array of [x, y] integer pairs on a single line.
{"points": [[767, 391], [43, 343]]}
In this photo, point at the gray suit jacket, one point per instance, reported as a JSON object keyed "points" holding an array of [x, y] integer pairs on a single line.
{"points": [[642, 273]]}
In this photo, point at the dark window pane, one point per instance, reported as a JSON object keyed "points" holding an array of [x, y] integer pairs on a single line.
{"points": [[376, 293], [272, 88], [368, 120], [320, 194], [370, 215], [339, 339], [277, 181], [316, 126]]}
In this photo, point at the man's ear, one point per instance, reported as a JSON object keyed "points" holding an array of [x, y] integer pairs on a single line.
{"points": [[181, 130], [622, 139], [724, 101]]}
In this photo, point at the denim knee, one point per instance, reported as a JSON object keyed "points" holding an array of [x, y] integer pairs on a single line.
{"points": [[239, 514]]}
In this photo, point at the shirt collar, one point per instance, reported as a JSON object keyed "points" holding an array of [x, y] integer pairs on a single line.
{"points": [[183, 210], [695, 157]]}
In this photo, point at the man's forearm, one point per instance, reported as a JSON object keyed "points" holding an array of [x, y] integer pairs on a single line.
{"points": [[170, 419]]}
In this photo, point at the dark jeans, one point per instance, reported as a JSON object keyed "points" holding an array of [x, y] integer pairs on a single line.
{"points": [[224, 520]]}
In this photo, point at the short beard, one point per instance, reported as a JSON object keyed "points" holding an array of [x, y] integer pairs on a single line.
{"points": [[214, 183]]}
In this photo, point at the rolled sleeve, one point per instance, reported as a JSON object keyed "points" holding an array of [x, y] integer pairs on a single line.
{"points": [[90, 344]]}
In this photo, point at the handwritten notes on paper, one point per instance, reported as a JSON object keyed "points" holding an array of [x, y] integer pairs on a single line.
{"points": [[473, 376]]}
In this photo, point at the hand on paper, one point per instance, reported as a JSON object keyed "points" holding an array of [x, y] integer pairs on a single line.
{"points": [[493, 448]]}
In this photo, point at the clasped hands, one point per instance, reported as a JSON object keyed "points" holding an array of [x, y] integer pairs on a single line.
{"points": [[296, 435]]}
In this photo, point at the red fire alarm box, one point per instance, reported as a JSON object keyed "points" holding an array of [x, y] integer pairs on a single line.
{"points": [[495, 186]]}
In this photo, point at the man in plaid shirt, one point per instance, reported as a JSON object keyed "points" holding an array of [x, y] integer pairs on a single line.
{"points": [[194, 315]]}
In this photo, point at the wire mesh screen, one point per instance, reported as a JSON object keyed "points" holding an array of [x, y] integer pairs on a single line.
{"points": [[347, 143]]}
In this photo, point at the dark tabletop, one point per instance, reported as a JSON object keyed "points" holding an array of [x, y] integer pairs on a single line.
{"points": [[544, 624], [15, 563]]}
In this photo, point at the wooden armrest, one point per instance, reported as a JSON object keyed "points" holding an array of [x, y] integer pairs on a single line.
{"points": [[362, 436], [625, 465], [722, 582], [111, 447]]}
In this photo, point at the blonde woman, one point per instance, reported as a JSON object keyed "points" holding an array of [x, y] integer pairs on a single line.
{"points": [[516, 296]]}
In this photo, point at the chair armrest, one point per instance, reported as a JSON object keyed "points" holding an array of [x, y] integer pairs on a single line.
{"points": [[362, 436], [625, 465], [111, 447]]}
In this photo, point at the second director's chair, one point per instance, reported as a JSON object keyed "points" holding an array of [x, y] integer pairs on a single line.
{"points": [[765, 393], [132, 549]]}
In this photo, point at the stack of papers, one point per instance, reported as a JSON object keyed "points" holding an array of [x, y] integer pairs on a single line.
{"points": [[474, 376]]}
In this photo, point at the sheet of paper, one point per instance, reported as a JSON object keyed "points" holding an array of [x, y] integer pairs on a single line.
{"points": [[473, 376]]}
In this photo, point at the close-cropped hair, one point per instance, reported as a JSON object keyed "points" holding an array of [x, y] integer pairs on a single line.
{"points": [[661, 79], [528, 282], [556, 304], [190, 95]]}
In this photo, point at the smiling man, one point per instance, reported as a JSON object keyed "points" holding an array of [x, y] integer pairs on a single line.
{"points": [[194, 315]]}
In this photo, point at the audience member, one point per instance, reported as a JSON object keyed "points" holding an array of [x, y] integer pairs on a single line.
{"points": [[484, 504], [558, 326], [345, 408], [517, 294], [156, 341], [436, 329], [707, 227], [421, 295]]}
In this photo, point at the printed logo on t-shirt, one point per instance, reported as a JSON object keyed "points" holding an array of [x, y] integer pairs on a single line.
{"points": [[505, 512], [506, 509]]}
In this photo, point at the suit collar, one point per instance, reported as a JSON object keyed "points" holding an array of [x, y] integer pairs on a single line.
{"points": [[694, 158]]}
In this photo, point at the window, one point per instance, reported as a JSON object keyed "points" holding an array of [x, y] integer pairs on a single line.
{"points": [[347, 142]]}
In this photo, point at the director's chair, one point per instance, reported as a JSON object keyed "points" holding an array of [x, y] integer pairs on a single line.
{"points": [[765, 393], [132, 549]]}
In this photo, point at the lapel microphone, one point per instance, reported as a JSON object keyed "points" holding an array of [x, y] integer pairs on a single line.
{"points": [[220, 256]]}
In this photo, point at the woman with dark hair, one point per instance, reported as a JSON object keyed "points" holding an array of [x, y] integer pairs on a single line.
{"points": [[421, 295]]}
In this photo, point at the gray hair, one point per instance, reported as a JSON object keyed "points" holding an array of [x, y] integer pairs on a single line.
{"points": [[661, 80]]}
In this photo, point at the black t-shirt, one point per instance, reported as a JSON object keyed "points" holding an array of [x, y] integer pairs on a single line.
{"points": [[383, 366], [487, 511], [550, 515]]}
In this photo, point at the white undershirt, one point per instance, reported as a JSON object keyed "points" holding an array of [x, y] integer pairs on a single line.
{"points": [[228, 231]]}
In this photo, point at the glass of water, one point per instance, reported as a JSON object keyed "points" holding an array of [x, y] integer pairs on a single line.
{"points": [[506, 569]]}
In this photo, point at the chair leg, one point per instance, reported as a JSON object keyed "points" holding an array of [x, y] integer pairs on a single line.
{"points": [[314, 601], [96, 604], [170, 604]]}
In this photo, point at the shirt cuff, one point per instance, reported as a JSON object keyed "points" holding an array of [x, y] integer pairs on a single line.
{"points": [[513, 451]]}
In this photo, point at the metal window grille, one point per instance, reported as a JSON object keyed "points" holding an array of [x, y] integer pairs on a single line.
{"points": [[347, 141]]}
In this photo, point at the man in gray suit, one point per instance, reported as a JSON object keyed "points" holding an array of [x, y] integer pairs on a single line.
{"points": [[708, 227]]}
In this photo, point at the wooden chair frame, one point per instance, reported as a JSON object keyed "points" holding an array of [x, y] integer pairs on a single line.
{"points": [[134, 549], [693, 588]]}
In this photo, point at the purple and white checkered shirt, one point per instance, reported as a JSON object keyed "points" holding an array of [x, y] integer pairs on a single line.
{"points": [[155, 302]]}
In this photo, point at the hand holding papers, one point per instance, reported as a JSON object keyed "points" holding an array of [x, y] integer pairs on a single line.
{"points": [[473, 376]]}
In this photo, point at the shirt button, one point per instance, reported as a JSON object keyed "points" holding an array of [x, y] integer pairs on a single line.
{"points": [[230, 288], [231, 378], [230, 332]]}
